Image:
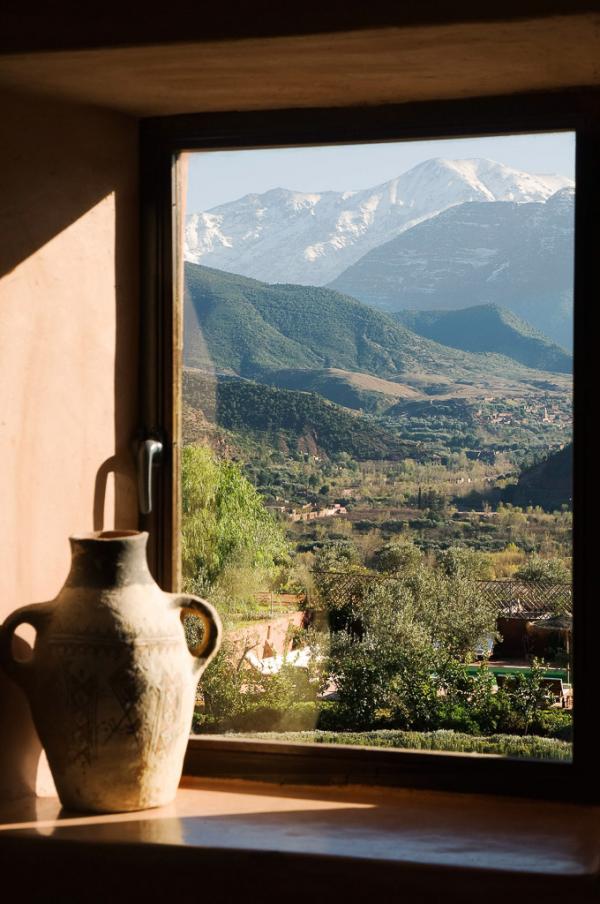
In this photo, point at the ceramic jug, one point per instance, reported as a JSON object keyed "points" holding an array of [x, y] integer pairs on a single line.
{"points": [[112, 682]]}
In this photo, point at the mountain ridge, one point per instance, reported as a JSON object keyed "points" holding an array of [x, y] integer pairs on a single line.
{"points": [[489, 328], [309, 238], [518, 256], [242, 326]]}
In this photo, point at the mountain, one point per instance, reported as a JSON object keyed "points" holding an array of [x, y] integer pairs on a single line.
{"points": [[309, 238], [288, 420], [240, 326], [489, 328], [518, 256], [304, 340]]}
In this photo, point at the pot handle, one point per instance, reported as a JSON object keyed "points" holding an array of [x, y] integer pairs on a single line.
{"points": [[20, 671], [213, 630]]}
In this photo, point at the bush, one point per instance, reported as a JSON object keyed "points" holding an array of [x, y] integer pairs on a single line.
{"points": [[554, 723], [538, 569], [465, 563], [501, 745], [333, 717], [302, 716], [397, 557]]}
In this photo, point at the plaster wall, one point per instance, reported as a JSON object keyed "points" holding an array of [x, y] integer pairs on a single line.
{"points": [[68, 357], [370, 66]]}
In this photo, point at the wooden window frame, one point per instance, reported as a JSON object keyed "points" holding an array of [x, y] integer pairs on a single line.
{"points": [[161, 140]]}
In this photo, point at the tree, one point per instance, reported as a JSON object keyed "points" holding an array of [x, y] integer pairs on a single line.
{"points": [[414, 630], [538, 569], [385, 667], [224, 522], [452, 611], [466, 563], [528, 693], [397, 557], [336, 555]]}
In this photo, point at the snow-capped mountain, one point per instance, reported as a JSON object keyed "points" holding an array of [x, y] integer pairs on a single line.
{"points": [[519, 256], [298, 237]]}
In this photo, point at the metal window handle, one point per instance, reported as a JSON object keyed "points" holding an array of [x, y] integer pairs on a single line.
{"points": [[148, 456]]}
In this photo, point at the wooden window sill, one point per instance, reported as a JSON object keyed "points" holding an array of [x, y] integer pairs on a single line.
{"points": [[236, 839]]}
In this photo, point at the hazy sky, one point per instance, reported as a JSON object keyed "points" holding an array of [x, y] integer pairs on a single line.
{"points": [[219, 176]]}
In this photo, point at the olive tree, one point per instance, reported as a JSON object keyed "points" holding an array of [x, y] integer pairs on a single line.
{"points": [[413, 628]]}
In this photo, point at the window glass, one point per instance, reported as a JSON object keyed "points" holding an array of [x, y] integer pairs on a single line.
{"points": [[377, 441]]}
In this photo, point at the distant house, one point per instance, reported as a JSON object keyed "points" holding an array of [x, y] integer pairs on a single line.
{"points": [[312, 514]]}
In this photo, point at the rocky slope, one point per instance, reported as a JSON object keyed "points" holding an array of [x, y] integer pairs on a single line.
{"points": [[518, 256]]}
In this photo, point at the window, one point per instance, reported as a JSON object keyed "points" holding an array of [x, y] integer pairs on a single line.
{"points": [[163, 141]]}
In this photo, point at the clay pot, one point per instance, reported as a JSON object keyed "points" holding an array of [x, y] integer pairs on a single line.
{"points": [[111, 681]]}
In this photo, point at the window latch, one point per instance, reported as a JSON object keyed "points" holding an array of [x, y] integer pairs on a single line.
{"points": [[149, 454]]}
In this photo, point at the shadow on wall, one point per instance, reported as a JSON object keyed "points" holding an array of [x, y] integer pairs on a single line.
{"points": [[68, 357], [20, 748]]}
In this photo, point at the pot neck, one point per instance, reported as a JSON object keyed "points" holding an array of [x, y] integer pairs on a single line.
{"points": [[109, 559]]}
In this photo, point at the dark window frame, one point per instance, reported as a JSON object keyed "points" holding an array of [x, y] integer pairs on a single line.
{"points": [[161, 344]]}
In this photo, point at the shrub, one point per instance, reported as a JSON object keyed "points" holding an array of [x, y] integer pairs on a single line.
{"points": [[301, 716], [397, 557], [502, 745], [464, 563], [538, 569], [553, 723]]}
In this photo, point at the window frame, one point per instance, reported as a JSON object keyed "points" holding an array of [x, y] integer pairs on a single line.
{"points": [[161, 140]]}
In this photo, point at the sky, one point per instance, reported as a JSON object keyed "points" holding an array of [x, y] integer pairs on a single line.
{"points": [[216, 177]]}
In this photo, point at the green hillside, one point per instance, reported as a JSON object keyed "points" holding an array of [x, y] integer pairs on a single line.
{"points": [[245, 327], [308, 341], [489, 328], [548, 484], [361, 392], [286, 419]]}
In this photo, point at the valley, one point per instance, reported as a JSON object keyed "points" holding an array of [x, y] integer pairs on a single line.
{"points": [[400, 430], [377, 427]]}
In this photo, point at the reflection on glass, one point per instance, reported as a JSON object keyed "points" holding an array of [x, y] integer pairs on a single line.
{"points": [[377, 441]]}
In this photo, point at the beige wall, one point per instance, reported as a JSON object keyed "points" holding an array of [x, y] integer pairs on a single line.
{"points": [[68, 356], [393, 64]]}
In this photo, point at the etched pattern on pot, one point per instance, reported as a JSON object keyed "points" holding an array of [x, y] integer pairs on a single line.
{"points": [[112, 682]]}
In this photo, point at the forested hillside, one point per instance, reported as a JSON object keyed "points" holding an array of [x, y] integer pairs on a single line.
{"points": [[245, 327], [489, 328], [548, 484], [314, 340], [288, 420]]}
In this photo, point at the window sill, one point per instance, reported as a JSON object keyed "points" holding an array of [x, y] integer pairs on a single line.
{"points": [[236, 838]]}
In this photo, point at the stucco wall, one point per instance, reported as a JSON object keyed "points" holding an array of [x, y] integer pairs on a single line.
{"points": [[68, 356]]}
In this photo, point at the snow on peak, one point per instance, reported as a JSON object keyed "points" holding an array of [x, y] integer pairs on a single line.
{"points": [[284, 235], [301, 200]]}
